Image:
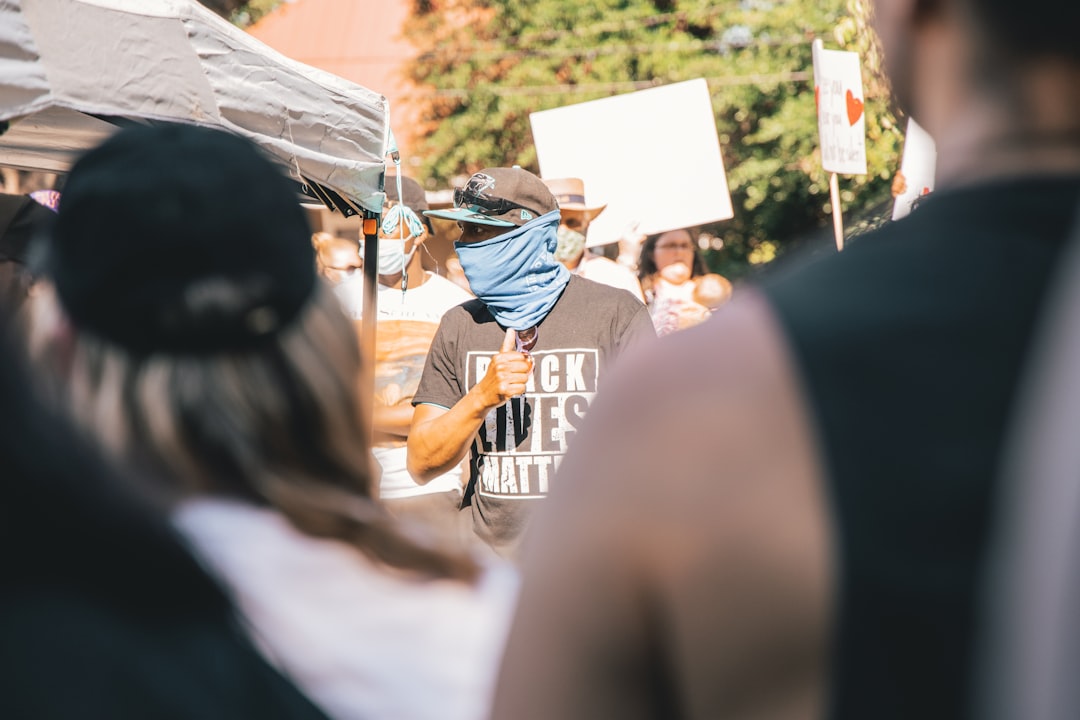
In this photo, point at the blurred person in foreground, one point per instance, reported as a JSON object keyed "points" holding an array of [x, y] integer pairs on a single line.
{"points": [[810, 542], [201, 350], [573, 251], [103, 613], [679, 290], [511, 373]]}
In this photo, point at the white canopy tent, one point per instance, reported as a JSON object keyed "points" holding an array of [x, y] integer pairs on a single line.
{"points": [[74, 71]]}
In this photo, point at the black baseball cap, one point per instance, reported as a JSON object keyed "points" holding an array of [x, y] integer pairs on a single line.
{"points": [[502, 197]]}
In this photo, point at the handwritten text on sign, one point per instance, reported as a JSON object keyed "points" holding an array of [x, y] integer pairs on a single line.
{"points": [[838, 95]]}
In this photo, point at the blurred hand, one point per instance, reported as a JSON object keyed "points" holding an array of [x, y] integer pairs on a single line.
{"points": [[899, 184], [690, 314]]}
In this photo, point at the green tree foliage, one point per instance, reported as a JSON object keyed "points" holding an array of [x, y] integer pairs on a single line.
{"points": [[251, 12], [240, 12], [224, 8], [485, 65]]}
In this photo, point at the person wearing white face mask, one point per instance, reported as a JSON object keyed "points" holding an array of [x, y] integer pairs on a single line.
{"points": [[411, 303]]}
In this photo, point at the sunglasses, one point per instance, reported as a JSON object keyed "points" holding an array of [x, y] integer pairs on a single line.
{"points": [[473, 198]]}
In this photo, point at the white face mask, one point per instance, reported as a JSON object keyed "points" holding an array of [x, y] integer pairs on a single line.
{"points": [[392, 257]]}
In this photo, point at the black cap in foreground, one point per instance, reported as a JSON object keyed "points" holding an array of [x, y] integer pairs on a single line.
{"points": [[176, 238]]}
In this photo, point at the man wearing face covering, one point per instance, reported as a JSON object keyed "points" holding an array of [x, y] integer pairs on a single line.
{"points": [[411, 302], [511, 373]]}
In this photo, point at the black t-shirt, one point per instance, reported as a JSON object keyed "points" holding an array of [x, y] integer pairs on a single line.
{"points": [[910, 344], [516, 451]]}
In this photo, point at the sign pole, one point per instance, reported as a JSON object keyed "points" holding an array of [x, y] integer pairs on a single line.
{"points": [[838, 96], [837, 217]]}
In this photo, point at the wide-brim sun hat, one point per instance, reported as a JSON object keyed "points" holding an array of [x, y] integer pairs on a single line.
{"points": [[570, 194]]}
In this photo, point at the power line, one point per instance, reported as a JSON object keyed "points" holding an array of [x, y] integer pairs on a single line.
{"points": [[634, 23], [605, 49], [716, 46], [618, 86]]}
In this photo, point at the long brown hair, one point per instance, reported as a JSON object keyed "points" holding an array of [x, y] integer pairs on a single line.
{"points": [[280, 425]]}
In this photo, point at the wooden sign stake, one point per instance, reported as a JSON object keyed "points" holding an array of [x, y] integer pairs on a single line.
{"points": [[837, 217]]}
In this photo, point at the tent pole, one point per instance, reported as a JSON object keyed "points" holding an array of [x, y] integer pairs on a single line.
{"points": [[370, 229]]}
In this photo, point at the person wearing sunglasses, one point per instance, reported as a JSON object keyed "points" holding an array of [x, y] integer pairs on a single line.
{"points": [[511, 373]]}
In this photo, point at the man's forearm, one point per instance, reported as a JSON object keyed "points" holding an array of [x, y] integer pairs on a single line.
{"points": [[439, 439]]}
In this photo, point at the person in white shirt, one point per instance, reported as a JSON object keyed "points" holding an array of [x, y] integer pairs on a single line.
{"points": [[411, 302]]}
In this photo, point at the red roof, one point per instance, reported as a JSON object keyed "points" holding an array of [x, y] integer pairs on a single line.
{"points": [[359, 40]]}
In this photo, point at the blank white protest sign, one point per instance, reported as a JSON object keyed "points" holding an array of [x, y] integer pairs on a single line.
{"points": [[918, 166], [652, 156]]}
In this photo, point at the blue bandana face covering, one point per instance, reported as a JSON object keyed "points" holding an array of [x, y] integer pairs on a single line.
{"points": [[516, 274]]}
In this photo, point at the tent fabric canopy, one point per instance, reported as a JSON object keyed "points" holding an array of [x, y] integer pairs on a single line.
{"points": [[73, 71]]}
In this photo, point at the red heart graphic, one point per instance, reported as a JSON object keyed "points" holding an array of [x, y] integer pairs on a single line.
{"points": [[854, 108], [817, 99]]}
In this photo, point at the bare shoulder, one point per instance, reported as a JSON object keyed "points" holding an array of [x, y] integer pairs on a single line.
{"points": [[695, 487]]}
